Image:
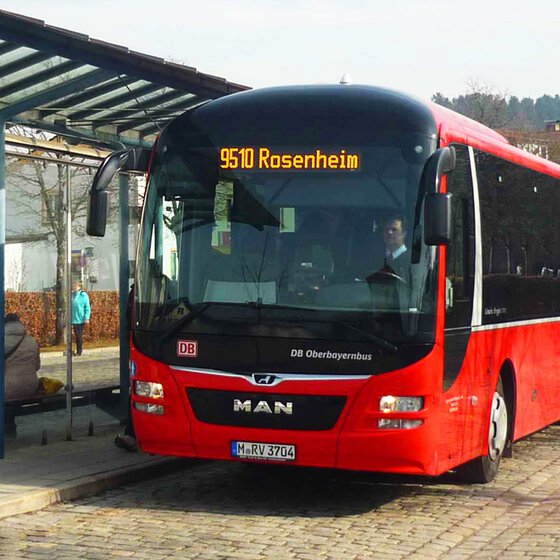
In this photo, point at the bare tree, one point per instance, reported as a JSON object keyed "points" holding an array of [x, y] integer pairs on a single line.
{"points": [[39, 200], [486, 105], [18, 275], [482, 103]]}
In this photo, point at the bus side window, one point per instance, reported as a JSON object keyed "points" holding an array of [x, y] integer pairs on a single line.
{"points": [[520, 241], [460, 252]]}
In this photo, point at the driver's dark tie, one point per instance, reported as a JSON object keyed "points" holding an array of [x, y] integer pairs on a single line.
{"points": [[389, 259]]}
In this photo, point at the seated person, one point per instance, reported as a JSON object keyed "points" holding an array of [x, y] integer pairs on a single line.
{"points": [[396, 257], [22, 360], [375, 257]]}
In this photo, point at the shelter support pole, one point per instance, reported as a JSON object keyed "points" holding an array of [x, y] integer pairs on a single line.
{"points": [[124, 274], [2, 287], [69, 372]]}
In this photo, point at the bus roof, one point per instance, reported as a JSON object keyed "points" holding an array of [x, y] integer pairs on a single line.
{"points": [[453, 127], [357, 99]]}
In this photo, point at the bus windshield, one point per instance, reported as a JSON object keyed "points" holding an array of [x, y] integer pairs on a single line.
{"points": [[301, 241]]}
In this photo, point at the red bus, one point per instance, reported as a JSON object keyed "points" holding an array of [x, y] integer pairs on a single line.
{"points": [[345, 277]]}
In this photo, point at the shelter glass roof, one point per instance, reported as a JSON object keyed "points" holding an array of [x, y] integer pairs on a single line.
{"points": [[66, 82]]}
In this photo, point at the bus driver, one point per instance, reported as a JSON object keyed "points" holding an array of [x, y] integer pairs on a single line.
{"points": [[394, 235]]}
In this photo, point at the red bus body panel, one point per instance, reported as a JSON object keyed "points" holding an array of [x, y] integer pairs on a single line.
{"points": [[532, 351], [354, 442]]}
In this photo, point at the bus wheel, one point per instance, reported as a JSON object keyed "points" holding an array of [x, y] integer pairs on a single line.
{"points": [[484, 469]]}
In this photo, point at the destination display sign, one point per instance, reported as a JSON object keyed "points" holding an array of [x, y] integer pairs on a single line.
{"points": [[267, 159]]}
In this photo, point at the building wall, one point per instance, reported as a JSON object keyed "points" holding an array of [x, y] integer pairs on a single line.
{"points": [[30, 264]]}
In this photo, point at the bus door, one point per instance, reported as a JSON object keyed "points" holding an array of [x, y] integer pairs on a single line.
{"points": [[459, 366]]}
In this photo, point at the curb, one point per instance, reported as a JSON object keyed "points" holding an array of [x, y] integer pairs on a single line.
{"points": [[89, 485]]}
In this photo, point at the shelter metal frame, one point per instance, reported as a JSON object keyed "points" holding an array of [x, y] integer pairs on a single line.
{"points": [[89, 90]]}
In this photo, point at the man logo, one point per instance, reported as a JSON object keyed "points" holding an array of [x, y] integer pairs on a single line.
{"points": [[263, 406], [264, 379], [187, 348]]}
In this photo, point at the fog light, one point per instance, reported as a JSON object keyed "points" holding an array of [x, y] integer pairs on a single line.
{"points": [[409, 424], [149, 407], [389, 423], [396, 424], [389, 403], [148, 389]]}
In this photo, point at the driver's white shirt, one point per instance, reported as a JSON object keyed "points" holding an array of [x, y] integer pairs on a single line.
{"points": [[397, 253]]}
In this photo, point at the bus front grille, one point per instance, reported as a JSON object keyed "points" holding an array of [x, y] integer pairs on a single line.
{"points": [[266, 410]]}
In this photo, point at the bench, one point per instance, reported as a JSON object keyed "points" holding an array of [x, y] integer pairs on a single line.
{"points": [[104, 396]]}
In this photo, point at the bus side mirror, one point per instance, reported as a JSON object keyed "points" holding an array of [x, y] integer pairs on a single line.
{"points": [[442, 161], [437, 206], [437, 219], [135, 159]]}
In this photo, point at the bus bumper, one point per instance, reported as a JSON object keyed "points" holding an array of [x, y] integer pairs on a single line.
{"points": [[354, 442]]}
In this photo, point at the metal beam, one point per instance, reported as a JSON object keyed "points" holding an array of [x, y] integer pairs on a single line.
{"points": [[59, 161], [37, 35], [55, 92], [2, 292], [68, 290], [113, 101], [23, 63], [92, 93], [39, 77], [101, 139], [157, 101], [169, 110], [57, 146], [8, 48]]}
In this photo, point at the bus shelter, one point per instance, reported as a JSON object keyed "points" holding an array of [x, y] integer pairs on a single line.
{"points": [[80, 90]]}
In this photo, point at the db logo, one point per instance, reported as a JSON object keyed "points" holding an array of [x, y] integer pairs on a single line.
{"points": [[187, 348]]}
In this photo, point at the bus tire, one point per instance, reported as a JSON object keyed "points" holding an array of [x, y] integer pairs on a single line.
{"points": [[484, 469]]}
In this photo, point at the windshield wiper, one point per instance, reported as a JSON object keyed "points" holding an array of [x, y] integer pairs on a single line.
{"points": [[381, 342], [199, 309], [194, 312]]}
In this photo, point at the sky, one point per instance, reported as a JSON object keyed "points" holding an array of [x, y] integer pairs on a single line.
{"points": [[417, 46]]}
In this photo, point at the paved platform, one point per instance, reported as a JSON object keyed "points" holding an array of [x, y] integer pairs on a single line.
{"points": [[34, 477], [94, 365]]}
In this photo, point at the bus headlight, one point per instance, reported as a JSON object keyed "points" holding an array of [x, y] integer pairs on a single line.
{"points": [[389, 404], [148, 389], [149, 407]]}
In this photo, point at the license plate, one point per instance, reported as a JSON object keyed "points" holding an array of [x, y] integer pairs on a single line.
{"points": [[263, 451]]}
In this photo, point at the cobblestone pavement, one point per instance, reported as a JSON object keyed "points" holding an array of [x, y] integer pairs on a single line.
{"points": [[226, 510]]}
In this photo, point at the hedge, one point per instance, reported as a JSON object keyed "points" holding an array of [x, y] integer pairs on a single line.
{"points": [[36, 311]]}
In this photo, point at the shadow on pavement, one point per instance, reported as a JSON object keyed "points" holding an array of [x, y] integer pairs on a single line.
{"points": [[263, 490]]}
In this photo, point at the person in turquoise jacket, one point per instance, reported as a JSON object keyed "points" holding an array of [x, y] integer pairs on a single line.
{"points": [[81, 311]]}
